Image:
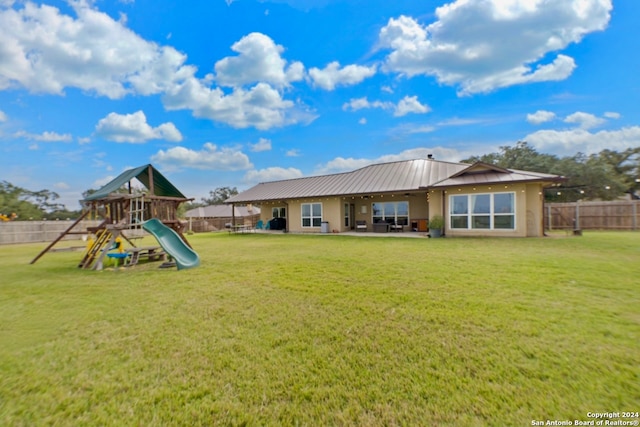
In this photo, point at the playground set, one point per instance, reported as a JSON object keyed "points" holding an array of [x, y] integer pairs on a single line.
{"points": [[153, 210]]}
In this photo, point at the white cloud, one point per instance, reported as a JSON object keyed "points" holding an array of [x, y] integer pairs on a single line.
{"points": [[341, 164], [261, 107], [569, 142], [356, 104], [61, 186], [584, 120], [259, 60], [3, 117], [612, 115], [271, 174], [413, 129], [210, 157], [410, 104], [99, 183], [362, 121], [294, 152], [45, 51], [481, 46], [44, 136], [263, 144], [135, 129], [540, 116], [457, 121], [332, 75]]}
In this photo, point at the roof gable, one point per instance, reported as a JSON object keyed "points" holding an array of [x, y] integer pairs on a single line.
{"points": [[480, 167], [484, 173], [145, 174]]}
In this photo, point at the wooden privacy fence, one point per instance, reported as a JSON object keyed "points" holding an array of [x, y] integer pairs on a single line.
{"points": [[39, 231], [615, 215]]}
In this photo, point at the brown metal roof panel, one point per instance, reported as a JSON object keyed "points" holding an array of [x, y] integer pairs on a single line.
{"points": [[495, 178]]}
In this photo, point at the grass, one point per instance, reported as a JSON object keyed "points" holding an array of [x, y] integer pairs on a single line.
{"points": [[326, 330]]}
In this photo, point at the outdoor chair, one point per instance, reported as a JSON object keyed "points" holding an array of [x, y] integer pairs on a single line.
{"points": [[259, 225], [361, 225], [396, 227]]}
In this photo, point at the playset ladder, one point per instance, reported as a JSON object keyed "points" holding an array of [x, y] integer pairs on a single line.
{"points": [[102, 238], [136, 212]]}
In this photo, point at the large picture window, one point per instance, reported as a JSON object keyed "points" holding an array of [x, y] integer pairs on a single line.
{"points": [[493, 211], [391, 212], [311, 214]]}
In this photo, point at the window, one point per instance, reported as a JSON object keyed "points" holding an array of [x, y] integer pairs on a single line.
{"points": [[311, 214], [391, 212], [278, 212], [347, 215], [493, 211]]}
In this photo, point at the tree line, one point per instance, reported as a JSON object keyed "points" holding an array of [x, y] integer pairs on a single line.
{"points": [[607, 175]]}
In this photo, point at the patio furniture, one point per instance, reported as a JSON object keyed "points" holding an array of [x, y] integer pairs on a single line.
{"points": [[361, 225], [380, 227], [396, 227]]}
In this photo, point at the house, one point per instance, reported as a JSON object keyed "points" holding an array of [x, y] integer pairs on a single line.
{"points": [[217, 217], [475, 200]]}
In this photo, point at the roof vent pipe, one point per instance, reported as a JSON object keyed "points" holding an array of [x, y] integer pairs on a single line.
{"points": [[430, 156]]}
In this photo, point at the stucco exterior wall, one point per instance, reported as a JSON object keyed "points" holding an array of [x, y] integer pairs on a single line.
{"points": [[528, 209], [333, 211]]}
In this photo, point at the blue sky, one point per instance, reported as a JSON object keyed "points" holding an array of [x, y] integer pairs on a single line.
{"points": [[231, 93]]}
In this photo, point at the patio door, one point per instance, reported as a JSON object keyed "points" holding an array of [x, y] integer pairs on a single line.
{"points": [[349, 213]]}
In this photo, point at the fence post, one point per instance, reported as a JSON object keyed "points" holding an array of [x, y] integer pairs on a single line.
{"points": [[549, 218], [635, 215], [576, 225]]}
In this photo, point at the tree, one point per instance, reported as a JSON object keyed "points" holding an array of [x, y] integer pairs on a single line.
{"points": [[26, 204], [625, 165], [15, 200], [589, 177], [219, 195], [522, 156], [605, 176]]}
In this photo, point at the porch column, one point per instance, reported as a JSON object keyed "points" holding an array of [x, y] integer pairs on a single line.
{"points": [[233, 215]]}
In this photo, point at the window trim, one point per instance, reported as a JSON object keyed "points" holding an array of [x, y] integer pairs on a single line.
{"points": [[279, 211], [311, 217], [383, 215], [469, 215]]}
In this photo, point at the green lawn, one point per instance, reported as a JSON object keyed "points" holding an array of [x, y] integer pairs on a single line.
{"points": [[326, 330]]}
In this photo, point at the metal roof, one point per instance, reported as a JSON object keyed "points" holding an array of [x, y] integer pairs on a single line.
{"points": [[483, 173], [404, 176], [161, 185]]}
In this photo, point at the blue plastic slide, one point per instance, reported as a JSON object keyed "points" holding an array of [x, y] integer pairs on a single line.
{"points": [[172, 244]]}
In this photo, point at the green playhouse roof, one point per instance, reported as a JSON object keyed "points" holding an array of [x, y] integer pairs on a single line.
{"points": [[161, 185]]}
